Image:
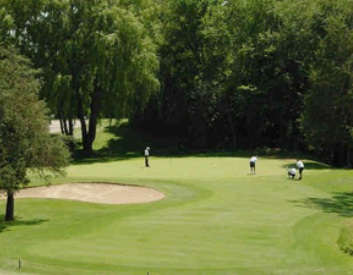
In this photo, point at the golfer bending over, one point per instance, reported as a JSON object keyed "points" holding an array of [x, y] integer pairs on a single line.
{"points": [[291, 172], [253, 160]]}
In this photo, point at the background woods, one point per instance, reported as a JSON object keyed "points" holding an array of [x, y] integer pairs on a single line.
{"points": [[215, 74]]}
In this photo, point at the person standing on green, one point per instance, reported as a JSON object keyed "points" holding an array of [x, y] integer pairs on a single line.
{"points": [[300, 166], [147, 154]]}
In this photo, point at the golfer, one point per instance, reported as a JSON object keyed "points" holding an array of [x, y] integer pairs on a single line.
{"points": [[291, 172], [147, 154], [253, 160], [300, 166]]}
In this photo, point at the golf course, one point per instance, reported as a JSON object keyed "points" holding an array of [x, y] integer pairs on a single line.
{"points": [[215, 218], [176, 137]]}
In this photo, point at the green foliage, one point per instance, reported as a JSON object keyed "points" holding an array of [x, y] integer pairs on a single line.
{"points": [[211, 50], [345, 238], [328, 115], [233, 74], [24, 130], [6, 23], [97, 57]]}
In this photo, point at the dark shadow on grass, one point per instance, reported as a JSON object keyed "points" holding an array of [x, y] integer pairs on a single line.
{"points": [[316, 166], [6, 225], [128, 142], [310, 165], [339, 203]]}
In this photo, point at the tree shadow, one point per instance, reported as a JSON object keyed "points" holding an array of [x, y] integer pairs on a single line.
{"points": [[6, 225], [128, 142], [310, 165], [316, 165], [339, 203]]}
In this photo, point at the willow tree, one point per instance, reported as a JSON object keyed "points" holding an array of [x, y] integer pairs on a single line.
{"points": [[25, 142], [97, 56]]}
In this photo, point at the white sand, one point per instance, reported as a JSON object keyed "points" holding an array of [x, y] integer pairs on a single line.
{"points": [[93, 192]]}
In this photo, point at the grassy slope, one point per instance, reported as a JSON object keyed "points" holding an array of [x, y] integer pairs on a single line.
{"points": [[216, 219]]}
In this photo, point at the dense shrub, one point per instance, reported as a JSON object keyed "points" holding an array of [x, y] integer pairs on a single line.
{"points": [[345, 239]]}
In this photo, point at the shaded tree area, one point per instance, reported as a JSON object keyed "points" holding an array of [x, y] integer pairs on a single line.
{"points": [[328, 113], [233, 74], [230, 74], [252, 74]]}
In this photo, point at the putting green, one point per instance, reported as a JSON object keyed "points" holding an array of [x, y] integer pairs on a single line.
{"points": [[215, 219]]}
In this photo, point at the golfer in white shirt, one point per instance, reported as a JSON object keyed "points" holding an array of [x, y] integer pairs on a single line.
{"points": [[147, 154], [300, 166], [291, 172], [253, 160]]}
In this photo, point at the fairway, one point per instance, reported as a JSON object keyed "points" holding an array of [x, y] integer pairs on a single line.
{"points": [[176, 137], [215, 219]]}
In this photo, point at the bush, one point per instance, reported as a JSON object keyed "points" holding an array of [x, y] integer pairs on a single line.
{"points": [[345, 239]]}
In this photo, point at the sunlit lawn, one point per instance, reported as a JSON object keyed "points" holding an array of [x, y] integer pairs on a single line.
{"points": [[215, 219]]}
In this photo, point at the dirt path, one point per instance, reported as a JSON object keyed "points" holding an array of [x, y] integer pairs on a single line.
{"points": [[54, 126]]}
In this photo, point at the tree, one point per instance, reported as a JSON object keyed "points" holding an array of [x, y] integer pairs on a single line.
{"points": [[233, 72], [187, 101], [6, 23], [328, 115], [96, 57], [26, 143]]}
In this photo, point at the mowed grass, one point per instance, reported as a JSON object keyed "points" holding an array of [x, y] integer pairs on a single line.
{"points": [[215, 219]]}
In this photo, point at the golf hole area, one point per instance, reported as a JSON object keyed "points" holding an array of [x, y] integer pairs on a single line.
{"points": [[104, 193]]}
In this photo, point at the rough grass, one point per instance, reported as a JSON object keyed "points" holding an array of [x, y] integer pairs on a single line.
{"points": [[215, 219]]}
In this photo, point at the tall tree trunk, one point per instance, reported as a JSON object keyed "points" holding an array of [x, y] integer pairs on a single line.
{"points": [[71, 127], [10, 206], [87, 149], [93, 120], [61, 125], [65, 126], [87, 146]]}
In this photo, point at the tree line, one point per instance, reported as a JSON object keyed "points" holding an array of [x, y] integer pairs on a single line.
{"points": [[226, 74]]}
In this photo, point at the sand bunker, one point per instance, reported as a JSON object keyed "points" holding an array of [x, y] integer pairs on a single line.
{"points": [[94, 192]]}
